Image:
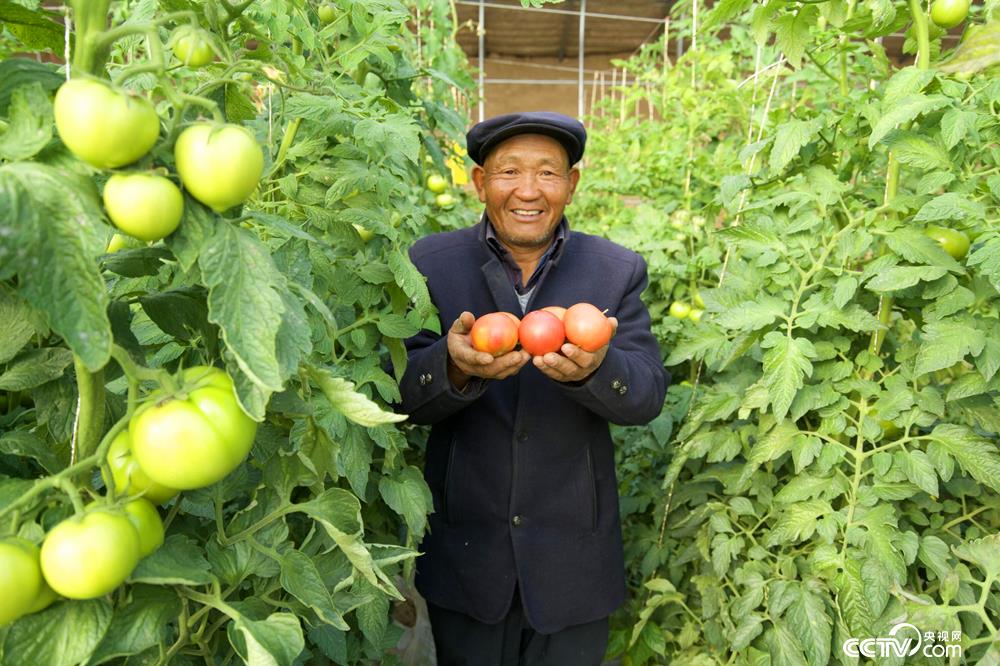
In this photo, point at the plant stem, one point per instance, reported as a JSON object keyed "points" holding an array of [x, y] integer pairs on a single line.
{"points": [[90, 18], [90, 409]]}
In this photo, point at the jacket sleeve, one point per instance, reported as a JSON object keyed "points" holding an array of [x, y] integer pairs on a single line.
{"points": [[427, 392], [630, 385], [428, 396]]}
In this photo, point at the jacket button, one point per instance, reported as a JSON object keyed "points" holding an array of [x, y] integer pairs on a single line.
{"points": [[622, 390], [425, 379], [516, 521], [616, 384], [522, 436]]}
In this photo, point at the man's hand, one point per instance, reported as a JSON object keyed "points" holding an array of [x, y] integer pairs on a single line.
{"points": [[465, 362], [574, 364]]}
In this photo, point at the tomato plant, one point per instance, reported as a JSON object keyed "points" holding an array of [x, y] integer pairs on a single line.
{"points": [[104, 127], [541, 332], [194, 436], [587, 327], [87, 556], [301, 551], [145, 206], [494, 333], [192, 46], [20, 578], [680, 309], [219, 165]]}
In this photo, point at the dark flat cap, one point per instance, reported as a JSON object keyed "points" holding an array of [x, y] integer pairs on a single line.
{"points": [[487, 135]]}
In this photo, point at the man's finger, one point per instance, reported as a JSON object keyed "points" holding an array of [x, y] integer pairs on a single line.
{"points": [[464, 323]]}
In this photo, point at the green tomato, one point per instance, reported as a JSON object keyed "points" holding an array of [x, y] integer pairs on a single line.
{"points": [[45, 596], [951, 241], [695, 314], [679, 309], [327, 13], [103, 126], [127, 477], [143, 205], [220, 165], [366, 234], [444, 200], [949, 13], [193, 438], [147, 523], [192, 46], [85, 557], [436, 183], [20, 578], [697, 300], [121, 242], [373, 83]]}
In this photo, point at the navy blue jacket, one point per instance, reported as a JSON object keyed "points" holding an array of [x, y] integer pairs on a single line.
{"points": [[522, 469]]}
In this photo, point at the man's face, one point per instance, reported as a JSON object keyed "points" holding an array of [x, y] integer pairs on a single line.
{"points": [[526, 184]]}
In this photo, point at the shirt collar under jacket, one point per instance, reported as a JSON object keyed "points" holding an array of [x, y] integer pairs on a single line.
{"points": [[513, 270]]}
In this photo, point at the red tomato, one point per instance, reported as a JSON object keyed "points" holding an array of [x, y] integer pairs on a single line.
{"points": [[557, 311], [541, 332], [494, 333], [587, 327]]}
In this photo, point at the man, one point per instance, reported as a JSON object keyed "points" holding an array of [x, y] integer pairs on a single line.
{"points": [[523, 560]]}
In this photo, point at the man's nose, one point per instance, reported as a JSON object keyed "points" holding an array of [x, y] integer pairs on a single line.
{"points": [[527, 186]]}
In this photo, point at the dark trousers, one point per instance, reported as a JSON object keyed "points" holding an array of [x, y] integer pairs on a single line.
{"points": [[463, 641]]}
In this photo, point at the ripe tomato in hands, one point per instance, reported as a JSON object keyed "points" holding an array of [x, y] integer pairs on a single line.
{"points": [[587, 327], [495, 333], [541, 332]]}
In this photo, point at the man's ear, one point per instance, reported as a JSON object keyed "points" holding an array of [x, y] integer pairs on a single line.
{"points": [[479, 180], [574, 178]]}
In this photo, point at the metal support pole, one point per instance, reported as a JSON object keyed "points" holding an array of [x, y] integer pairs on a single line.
{"points": [[482, 60], [580, 107]]}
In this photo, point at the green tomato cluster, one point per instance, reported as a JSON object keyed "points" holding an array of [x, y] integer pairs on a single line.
{"points": [[219, 165]]}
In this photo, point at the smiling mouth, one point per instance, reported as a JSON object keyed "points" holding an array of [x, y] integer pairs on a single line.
{"points": [[524, 212]]}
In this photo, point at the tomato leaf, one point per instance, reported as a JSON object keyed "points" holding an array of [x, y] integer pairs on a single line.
{"points": [[946, 343], [904, 110], [64, 634], [178, 562], [977, 455], [276, 641], [30, 127], [355, 406], [140, 624], [407, 494], [301, 579]]}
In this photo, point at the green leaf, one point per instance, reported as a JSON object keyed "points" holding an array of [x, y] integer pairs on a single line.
{"points": [[139, 624], [934, 554], [946, 343], [918, 151], [178, 561], [35, 30], [16, 328], [396, 326], [276, 641], [792, 32], [783, 646], [786, 365], [749, 628], [64, 634], [904, 110], [407, 494], [976, 455], [50, 231], [797, 522], [984, 552], [244, 286], [988, 258], [355, 406], [880, 523], [790, 138], [956, 125], [852, 598], [53, 456], [895, 278], [35, 368], [373, 617], [413, 283], [918, 469], [977, 52], [950, 206], [302, 580], [30, 125], [809, 621]]}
